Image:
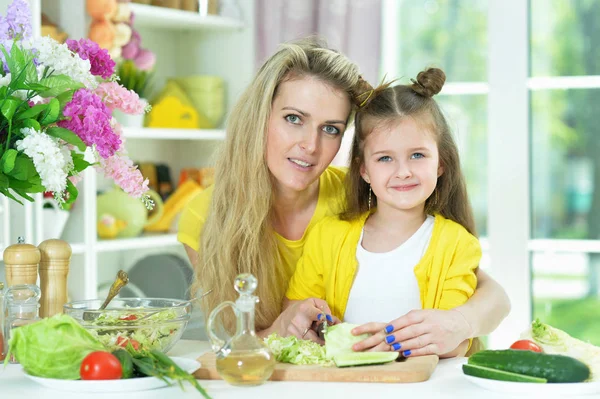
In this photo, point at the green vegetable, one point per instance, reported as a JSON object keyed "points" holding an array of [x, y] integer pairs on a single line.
{"points": [[295, 351], [554, 368], [364, 358], [493, 374], [52, 347], [339, 339], [157, 364], [555, 341], [153, 333], [126, 362]]}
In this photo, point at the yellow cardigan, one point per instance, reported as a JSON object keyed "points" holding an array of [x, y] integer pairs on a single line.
{"points": [[326, 270]]}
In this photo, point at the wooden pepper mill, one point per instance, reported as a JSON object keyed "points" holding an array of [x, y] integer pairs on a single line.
{"points": [[54, 268], [21, 263]]}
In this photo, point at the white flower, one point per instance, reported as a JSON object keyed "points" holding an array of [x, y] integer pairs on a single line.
{"points": [[57, 56], [47, 157], [5, 80]]}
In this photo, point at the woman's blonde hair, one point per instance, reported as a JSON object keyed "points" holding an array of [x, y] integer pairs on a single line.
{"points": [[390, 104], [238, 235]]}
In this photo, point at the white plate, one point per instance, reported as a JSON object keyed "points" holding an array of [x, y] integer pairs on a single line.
{"points": [[538, 390], [128, 385]]}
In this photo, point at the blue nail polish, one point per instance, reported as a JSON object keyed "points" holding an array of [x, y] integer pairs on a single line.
{"points": [[389, 329], [389, 339], [329, 318], [407, 353], [319, 316], [396, 346]]}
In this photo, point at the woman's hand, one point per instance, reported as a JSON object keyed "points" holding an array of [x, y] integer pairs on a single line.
{"points": [[301, 318], [417, 333]]}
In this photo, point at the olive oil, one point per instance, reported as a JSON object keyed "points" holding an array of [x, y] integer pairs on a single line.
{"points": [[243, 359], [246, 368]]}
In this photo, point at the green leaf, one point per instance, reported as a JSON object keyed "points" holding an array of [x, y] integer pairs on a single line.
{"points": [[58, 84], [65, 97], [3, 182], [34, 186], [32, 123], [9, 106], [32, 112], [36, 87], [23, 194], [78, 162], [72, 193], [8, 194], [24, 169], [68, 136], [51, 113], [8, 160]]}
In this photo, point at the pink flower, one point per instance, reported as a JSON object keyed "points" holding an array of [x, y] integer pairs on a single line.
{"points": [[101, 63], [90, 120], [145, 60], [116, 96], [125, 174], [132, 48]]}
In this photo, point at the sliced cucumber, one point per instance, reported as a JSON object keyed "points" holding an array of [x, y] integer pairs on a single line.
{"points": [[364, 358], [493, 374]]}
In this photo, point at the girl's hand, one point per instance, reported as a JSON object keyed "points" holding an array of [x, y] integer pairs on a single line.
{"points": [[419, 332], [374, 343], [301, 318]]}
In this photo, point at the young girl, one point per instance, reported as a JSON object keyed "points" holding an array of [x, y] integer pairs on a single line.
{"points": [[407, 239]]}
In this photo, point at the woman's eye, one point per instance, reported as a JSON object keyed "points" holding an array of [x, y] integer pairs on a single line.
{"points": [[417, 155], [291, 118], [331, 130], [384, 158]]}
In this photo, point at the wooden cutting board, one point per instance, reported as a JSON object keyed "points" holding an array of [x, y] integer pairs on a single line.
{"points": [[413, 369]]}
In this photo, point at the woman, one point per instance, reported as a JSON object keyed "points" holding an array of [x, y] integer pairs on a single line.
{"points": [[271, 188]]}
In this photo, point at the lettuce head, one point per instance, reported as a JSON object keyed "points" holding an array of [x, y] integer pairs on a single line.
{"points": [[52, 347]]}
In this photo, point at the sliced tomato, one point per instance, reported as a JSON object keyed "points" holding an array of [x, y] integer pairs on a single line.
{"points": [[130, 317], [122, 342], [100, 366], [526, 345]]}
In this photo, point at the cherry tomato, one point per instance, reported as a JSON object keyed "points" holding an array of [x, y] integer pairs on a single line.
{"points": [[100, 366], [130, 317], [122, 342], [526, 345]]}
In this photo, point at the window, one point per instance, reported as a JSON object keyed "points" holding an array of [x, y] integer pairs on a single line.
{"points": [[522, 95]]}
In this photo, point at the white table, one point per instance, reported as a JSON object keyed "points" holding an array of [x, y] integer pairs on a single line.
{"points": [[447, 381]]}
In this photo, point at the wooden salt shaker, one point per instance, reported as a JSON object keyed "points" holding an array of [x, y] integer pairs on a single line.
{"points": [[54, 268], [21, 263]]}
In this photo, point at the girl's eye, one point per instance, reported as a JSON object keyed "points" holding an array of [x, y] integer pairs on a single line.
{"points": [[417, 155], [291, 118], [385, 158], [331, 130]]}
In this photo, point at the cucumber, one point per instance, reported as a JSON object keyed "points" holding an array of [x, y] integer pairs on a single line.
{"points": [[554, 368], [126, 362], [493, 374], [364, 358]]}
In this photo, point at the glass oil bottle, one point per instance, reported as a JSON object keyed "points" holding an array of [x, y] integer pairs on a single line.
{"points": [[244, 359]]}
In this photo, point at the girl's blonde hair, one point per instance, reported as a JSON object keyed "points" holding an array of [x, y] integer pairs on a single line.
{"points": [[386, 106], [238, 235]]}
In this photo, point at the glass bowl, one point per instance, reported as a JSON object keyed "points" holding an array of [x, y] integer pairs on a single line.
{"points": [[121, 323]]}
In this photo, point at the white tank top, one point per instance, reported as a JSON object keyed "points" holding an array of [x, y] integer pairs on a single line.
{"points": [[385, 286]]}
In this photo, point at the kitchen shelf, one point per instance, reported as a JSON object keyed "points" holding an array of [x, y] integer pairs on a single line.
{"points": [[173, 134], [169, 18], [143, 242], [78, 248]]}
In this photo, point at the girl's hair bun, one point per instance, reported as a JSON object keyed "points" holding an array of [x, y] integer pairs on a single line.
{"points": [[429, 82]]}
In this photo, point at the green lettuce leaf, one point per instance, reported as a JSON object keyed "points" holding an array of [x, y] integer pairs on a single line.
{"points": [[555, 341], [296, 351], [52, 347]]}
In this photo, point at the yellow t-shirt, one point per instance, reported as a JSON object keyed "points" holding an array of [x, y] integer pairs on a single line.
{"points": [[445, 274], [331, 202]]}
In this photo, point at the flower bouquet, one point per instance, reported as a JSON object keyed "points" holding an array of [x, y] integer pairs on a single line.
{"points": [[56, 105]]}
